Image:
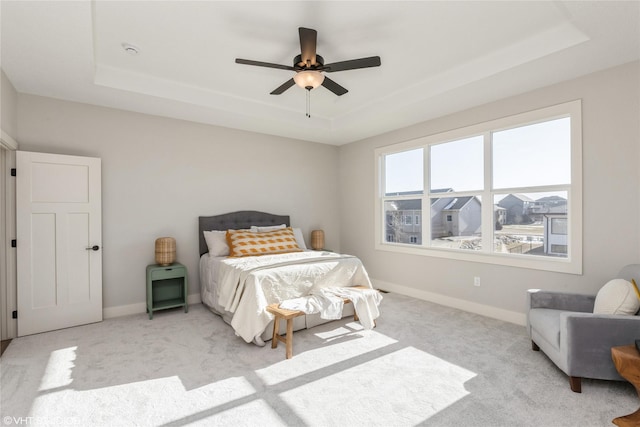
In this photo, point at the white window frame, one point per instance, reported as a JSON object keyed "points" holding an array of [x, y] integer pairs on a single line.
{"points": [[571, 264]]}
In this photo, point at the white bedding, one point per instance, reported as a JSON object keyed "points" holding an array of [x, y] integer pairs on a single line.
{"points": [[240, 289]]}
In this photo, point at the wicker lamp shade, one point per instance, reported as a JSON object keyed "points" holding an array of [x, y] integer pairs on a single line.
{"points": [[165, 250], [317, 239]]}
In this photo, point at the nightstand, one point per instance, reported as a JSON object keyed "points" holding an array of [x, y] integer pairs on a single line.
{"points": [[166, 287]]}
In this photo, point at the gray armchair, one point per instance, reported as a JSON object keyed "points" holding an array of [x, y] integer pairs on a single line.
{"points": [[579, 342]]}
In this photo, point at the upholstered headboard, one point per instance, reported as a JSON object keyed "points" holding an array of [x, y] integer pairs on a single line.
{"points": [[236, 221]]}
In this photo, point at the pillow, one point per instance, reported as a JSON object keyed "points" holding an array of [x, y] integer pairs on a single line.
{"points": [[256, 229], [299, 238], [296, 232], [217, 242], [633, 282], [245, 243], [617, 297]]}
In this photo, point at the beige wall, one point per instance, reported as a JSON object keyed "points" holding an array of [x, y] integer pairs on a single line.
{"points": [[611, 141], [8, 101], [159, 175]]}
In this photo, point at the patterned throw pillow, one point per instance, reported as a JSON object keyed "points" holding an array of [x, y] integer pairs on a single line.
{"points": [[245, 243], [635, 287]]}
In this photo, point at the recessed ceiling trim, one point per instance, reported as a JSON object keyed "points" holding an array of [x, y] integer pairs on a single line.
{"points": [[539, 45], [117, 78]]}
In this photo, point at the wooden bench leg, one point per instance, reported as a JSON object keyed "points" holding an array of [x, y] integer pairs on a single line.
{"points": [[276, 329], [289, 342]]}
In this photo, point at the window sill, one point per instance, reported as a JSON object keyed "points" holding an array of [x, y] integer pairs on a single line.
{"points": [[558, 265]]}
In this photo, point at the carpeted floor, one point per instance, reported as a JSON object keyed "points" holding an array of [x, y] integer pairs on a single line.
{"points": [[424, 364]]}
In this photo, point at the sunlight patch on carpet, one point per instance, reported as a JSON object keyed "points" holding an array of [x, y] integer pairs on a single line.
{"points": [[318, 352], [255, 413], [141, 402], [405, 387], [58, 372]]}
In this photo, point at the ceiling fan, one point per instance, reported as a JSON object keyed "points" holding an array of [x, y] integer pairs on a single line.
{"points": [[309, 66]]}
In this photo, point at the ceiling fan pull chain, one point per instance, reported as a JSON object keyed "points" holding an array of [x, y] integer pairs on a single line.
{"points": [[308, 103]]}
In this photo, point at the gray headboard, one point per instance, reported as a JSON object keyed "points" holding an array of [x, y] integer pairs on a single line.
{"points": [[236, 221]]}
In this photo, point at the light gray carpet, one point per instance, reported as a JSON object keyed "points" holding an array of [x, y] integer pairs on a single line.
{"points": [[424, 364]]}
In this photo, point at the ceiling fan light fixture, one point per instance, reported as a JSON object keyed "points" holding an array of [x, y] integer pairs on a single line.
{"points": [[308, 79]]}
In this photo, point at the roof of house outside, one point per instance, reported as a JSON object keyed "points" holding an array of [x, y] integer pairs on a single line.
{"points": [[408, 205], [458, 203], [552, 199], [521, 197]]}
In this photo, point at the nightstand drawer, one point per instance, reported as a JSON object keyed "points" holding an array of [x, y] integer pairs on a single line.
{"points": [[168, 272]]}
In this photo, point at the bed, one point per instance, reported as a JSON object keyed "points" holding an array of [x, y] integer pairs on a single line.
{"points": [[240, 288]]}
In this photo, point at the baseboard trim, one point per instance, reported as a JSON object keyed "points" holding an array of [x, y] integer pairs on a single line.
{"points": [[126, 310], [472, 307]]}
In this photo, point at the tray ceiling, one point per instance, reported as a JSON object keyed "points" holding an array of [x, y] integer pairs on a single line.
{"points": [[437, 57]]}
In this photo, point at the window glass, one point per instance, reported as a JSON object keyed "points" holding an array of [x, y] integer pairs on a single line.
{"points": [[397, 228], [456, 222], [526, 223], [532, 155], [558, 225], [404, 172], [457, 165]]}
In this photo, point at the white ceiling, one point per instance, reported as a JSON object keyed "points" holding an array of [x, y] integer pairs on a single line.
{"points": [[437, 57]]}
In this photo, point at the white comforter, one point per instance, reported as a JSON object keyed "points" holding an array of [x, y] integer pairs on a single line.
{"points": [[246, 286]]}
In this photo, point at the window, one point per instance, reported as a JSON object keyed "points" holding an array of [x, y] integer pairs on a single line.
{"points": [[559, 226], [526, 170]]}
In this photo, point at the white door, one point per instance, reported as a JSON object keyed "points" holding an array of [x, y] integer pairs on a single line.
{"points": [[59, 233]]}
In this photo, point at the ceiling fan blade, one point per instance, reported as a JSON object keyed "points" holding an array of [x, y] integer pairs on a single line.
{"points": [[286, 85], [264, 64], [308, 43], [352, 64], [333, 86]]}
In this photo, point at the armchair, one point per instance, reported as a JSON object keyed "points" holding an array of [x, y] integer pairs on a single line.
{"points": [[578, 341]]}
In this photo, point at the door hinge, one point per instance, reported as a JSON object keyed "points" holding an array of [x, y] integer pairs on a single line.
{"points": [[14, 243], [14, 315], [13, 171]]}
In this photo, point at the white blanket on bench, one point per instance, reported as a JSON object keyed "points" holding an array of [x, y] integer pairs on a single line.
{"points": [[329, 302]]}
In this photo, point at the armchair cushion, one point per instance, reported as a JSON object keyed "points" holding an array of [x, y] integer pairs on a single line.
{"points": [[618, 296]]}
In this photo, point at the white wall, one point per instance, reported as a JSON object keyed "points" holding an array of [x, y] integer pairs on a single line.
{"points": [[159, 175], [611, 142], [8, 102]]}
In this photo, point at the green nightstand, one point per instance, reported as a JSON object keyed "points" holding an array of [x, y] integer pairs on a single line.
{"points": [[166, 287]]}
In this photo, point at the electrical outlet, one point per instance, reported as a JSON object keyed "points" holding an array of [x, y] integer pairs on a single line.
{"points": [[476, 281]]}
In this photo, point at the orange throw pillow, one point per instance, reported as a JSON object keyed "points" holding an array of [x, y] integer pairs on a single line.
{"points": [[245, 243]]}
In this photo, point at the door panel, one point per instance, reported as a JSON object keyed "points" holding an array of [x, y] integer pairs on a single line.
{"points": [[79, 257], [44, 285], [60, 183], [58, 205]]}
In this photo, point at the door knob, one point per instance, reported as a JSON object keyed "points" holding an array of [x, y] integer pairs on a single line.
{"points": [[93, 248]]}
